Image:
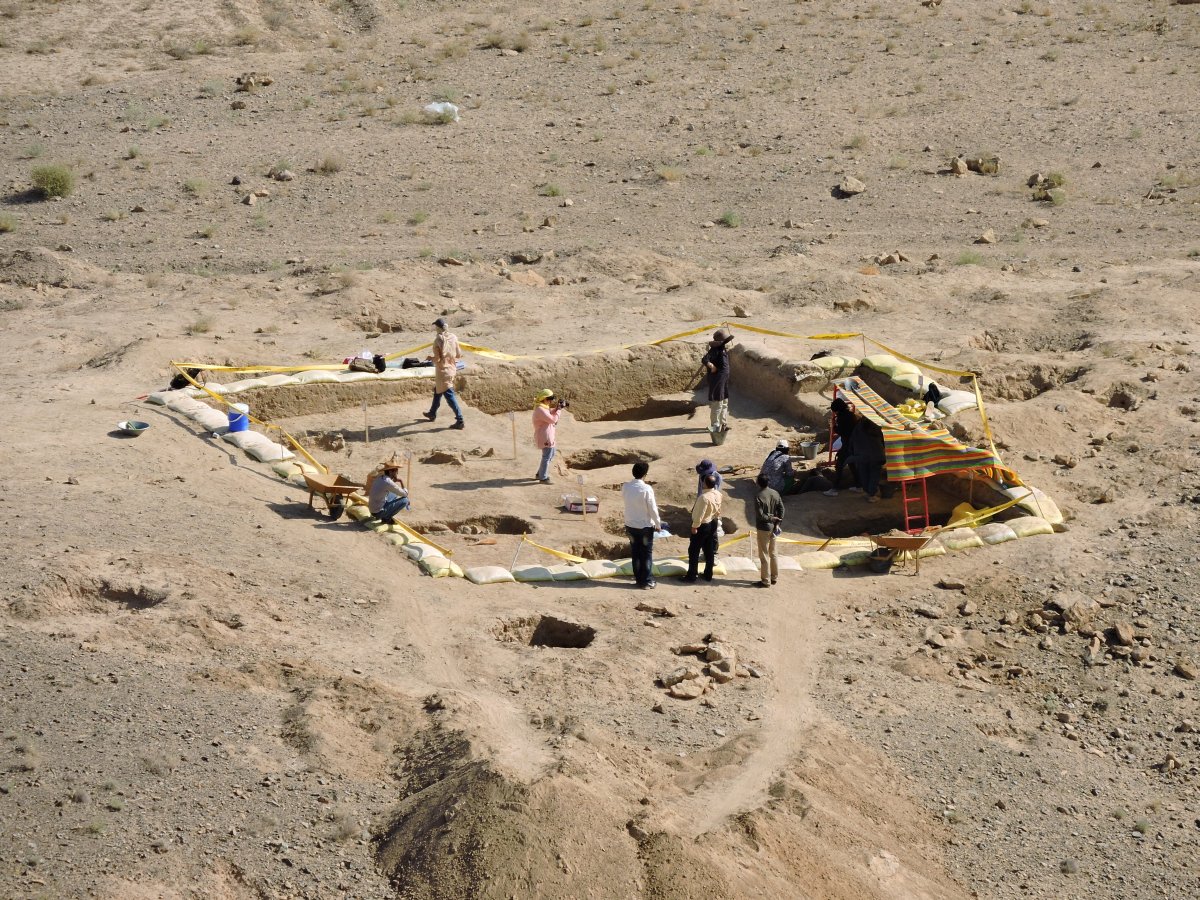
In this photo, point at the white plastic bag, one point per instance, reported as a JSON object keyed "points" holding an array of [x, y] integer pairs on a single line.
{"points": [[441, 108]]}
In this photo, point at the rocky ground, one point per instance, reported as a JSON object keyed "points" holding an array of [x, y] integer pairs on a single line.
{"points": [[212, 693]]}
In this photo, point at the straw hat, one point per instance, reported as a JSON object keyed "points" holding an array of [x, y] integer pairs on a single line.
{"points": [[721, 336]]}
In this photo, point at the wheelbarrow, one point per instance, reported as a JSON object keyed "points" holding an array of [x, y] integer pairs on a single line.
{"points": [[333, 489], [891, 548]]}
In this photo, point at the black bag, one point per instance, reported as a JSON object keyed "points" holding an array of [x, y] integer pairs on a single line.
{"points": [[411, 362]]}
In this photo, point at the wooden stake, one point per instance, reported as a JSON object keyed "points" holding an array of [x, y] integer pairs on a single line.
{"points": [[520, 544], [582, 496], [512, 417], [408, 474], [366, 424]]}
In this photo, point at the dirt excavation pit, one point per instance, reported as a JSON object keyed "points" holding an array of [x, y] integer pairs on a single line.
{"points": [[654, 408], [595, 458], [476, 525], [544, 631]]}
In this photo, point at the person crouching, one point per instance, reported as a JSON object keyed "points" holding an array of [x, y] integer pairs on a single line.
{"points": [[387, 494]]}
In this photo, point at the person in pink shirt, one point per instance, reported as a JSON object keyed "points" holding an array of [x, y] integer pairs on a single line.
{"points": [[545, 418]]}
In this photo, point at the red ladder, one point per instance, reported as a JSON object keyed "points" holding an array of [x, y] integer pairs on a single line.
{"points": [[922, 499]]}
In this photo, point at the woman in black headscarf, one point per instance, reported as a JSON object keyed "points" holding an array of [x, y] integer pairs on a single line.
{"points": [[843, 426]]}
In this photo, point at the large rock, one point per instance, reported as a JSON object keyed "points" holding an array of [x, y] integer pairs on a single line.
{"points": [[849, 186], [689, 689], [1121, 634], [683, 673], [528, 279], [717, 652]]}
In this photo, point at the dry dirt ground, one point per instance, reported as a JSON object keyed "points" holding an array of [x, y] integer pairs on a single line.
{"points": [[208, 692]]}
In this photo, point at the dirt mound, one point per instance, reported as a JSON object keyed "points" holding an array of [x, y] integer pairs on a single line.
{"points": [[37, 265], [464, 829]]}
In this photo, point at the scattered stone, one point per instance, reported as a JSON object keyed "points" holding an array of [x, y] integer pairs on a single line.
{"points": [[528, 279], [718, 651], [1012, 617], [1066, 460], [636, 831], [988, 237], [967, 608], [1186, 669], [891, 259], [1037, 223], [683, 673], [849, 186], [238, 104], [249, 199], [251, 81], [947, 584], [1121, 634], [658, 609], [1069, 867], [689, 649], [450, 261], [958, 166], [284, 175], [989, 165], [689, 689], [930, 612], [526, 257]]}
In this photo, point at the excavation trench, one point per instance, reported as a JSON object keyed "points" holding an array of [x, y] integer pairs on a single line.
{"points": [[544, 631]]}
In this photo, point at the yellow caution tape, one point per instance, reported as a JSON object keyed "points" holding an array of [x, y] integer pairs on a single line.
{"points": [[740, 537], [425, 539], [916, 362], [838, 542], [559, 553]]}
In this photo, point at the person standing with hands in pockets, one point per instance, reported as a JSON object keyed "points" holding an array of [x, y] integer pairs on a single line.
{"points": [[768, 513], [545, 420]]}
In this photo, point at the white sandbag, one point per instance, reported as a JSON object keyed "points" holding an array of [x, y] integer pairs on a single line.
{"points": [[1037, 503], [664, 568], [211, 419], [816, 559], [568, 572], [738, 564], [276, 380], [852, 556], [532, 573], [488, 575], [187, 406], [995, 533], [931, 548], [836, 366], [878, 361], [624, 566], [956, 401], [286, 470], [440, 567], [159, 398], [358, 512], [1028, 526], [397, 538], [959, 539], [258, 445], [353, 377], [600, 568], [315, 376], [789, 564]]}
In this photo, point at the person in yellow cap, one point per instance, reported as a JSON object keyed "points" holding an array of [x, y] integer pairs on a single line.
{"points": [[545, 418], [716, 365]]}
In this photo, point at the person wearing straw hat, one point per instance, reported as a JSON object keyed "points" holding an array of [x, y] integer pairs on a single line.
{"points": [[716, 365], [545, 420], [777, 468], [446, 354], [387, 494]]}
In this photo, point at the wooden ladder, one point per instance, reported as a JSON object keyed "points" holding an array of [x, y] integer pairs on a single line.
{"points": [[921, 500]]}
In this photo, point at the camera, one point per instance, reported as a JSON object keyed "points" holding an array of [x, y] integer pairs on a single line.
{"points": [[563, 404]]}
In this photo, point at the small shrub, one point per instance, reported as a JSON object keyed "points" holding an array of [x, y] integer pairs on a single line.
{"points": [[330, 163], [260, 222], [96, 827], [33, 151], [202, 325], [1194, 253], [208, 231], [550, 190], [1056, 179], [1141, 826], [8, 223], [1049, 56], [670, 174], [969, 258], [133, 152], [211, 88], [113, 215], [247, 36], [54, 181], [195, 186], [855, 143], [418, 217], [730, 219], [158, 122], [115, 804]]}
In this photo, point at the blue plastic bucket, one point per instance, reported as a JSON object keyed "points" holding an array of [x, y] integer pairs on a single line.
{"points": [[238, 418]]}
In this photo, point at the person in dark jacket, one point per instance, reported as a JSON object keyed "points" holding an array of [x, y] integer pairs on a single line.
{"points": [[768, 513], [843, 427], [716, 366], [867, 455]]}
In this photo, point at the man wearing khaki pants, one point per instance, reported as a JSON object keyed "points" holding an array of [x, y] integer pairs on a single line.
{"points": [[768, 513]]}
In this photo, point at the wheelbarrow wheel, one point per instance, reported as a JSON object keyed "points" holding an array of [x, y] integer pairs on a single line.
{"points": [[337, 506]]}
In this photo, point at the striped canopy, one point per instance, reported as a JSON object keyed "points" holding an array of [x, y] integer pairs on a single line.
{"points": [[916, 450]]}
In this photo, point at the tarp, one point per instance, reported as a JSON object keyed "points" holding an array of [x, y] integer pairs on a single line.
{"points": [[917, 449]]}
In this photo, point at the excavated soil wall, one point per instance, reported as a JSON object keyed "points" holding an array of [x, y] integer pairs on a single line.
{"points": [[598, 385]]}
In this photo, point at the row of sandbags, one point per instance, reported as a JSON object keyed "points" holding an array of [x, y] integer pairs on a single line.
{"points": [[216, 422], [310, 376]]}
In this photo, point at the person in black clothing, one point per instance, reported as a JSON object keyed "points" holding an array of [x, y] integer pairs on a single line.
{"points": [[867, 455], [716, 365], [843, 427]]}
